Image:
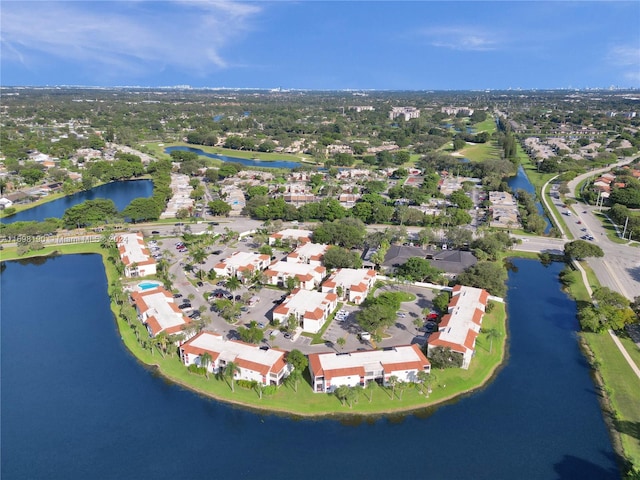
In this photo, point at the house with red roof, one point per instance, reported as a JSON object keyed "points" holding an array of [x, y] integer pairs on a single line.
{"points": [[311, 253], [310, 308], [308, 276], [291, 235], [353, 284], [267, 367], [242, 264], [135, 255], [332, 370], [157, 310], [460, 327]]}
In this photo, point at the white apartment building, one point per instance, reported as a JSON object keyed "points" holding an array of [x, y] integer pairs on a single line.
{"points": [[308, 275], [460, 327], [240, 264], [293, 235], [310, 253], [332, 370], [135, 255], [353, 283], [310, 308], [156, 308], [267, 367]]}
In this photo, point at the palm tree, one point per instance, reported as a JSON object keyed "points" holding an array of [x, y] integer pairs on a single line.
{"points": [[229, 373], [258, 279], [341, 342], [198, 255], [491, 334], [342, 392], [393, 381], [107, 241], [401, 387], [371, 385], [205, 361], [161, 341], [351, 394], [293, 378], [423, 378], [357, 390], [233, 284]]}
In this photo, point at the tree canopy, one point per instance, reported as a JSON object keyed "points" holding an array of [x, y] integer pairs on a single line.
{"points": [[580, 249]]}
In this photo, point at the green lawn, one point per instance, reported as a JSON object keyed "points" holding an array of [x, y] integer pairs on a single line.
{"points": [[304, 402], [479, 152], [621, 385], [623, 389], [536, 178], [591, 276], [632, 349], [489, 126], [159, 152]]}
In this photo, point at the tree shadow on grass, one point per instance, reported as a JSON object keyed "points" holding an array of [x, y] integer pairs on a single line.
{"points": [[628, 428]]}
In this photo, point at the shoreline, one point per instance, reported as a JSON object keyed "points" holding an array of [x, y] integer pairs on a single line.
{"points": [[57, 196], [241, 154], [340, 412]]}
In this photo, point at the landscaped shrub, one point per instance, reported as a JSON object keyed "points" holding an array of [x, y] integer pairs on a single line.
{"points": [[193, 368], [248, 384], [269, 390]]}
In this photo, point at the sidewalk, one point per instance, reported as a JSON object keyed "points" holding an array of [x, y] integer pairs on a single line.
{"points": [[626, 356]]}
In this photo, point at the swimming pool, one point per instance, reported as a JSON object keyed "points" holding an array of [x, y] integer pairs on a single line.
{"points": [[148, 285]]}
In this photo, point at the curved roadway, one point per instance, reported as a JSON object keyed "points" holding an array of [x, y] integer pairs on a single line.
{"points": [[619, 269]]}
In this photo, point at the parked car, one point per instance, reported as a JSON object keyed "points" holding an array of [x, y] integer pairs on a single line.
{"points": [[177, 295], [216, 252], [432, 316], [287, 335], [431, 327], [238, 297], [155, 232], [200, 284], [260, 325]]}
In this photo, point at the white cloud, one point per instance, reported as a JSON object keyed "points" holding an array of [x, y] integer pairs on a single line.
{"points": [[126, 38], [624, 55], [461, 38]]}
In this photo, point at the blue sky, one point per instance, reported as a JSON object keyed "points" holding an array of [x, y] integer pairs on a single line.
{"points": [[413, 45]]}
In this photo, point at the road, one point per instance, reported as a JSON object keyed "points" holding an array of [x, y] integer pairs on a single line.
{"points": [[619, 269]]}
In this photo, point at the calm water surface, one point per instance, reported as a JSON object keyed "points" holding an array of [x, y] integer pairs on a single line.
{"points": [[76, 405], [521, 182], [244, 161], [120, 192]]}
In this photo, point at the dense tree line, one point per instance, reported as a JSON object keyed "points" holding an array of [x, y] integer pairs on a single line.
{"points": [[621, 215]]}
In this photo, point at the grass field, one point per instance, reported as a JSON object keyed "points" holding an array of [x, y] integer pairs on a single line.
{"points": [[449, 383], [623, 390], [159, 153], [621, 385]]}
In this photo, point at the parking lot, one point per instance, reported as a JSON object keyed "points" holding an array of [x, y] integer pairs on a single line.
{"points": [[403, 332]]}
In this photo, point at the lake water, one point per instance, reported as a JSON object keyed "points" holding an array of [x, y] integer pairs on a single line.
{"points": [[521, 182], [244, 161], [120, 192], [76, 405]]}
